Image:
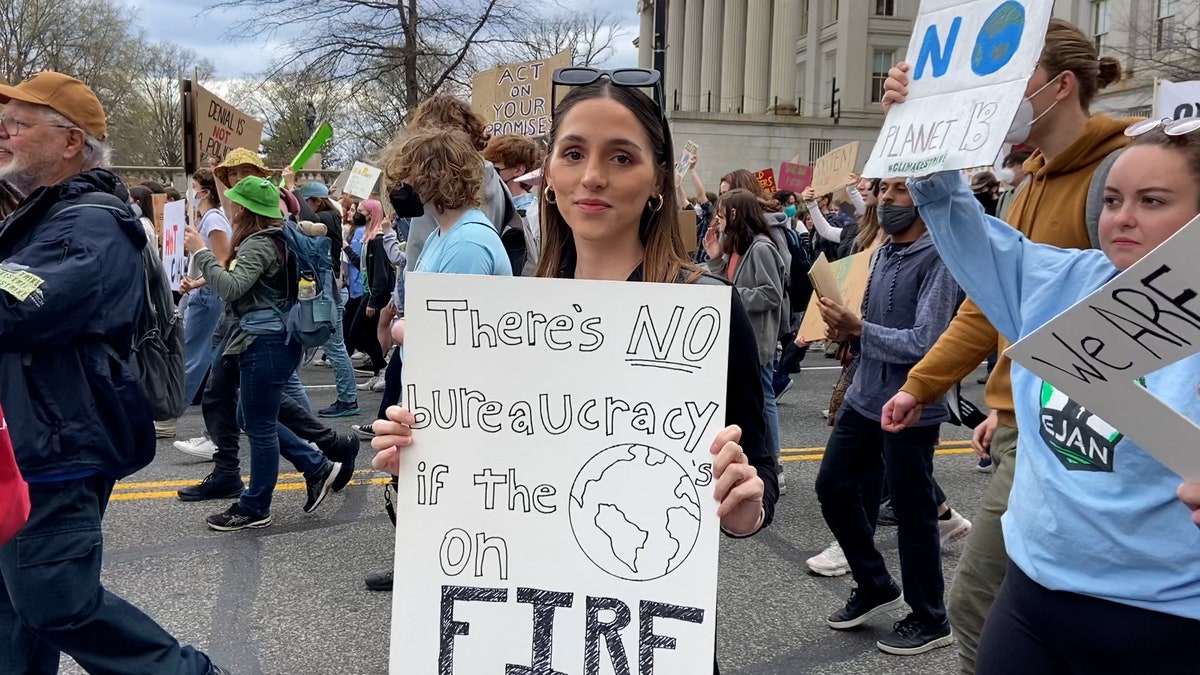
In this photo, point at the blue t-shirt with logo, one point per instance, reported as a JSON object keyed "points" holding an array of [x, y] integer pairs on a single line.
{"points": [[470, 246], [1091, 512]]}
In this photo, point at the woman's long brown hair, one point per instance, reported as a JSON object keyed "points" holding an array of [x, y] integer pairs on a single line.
{"points": [[665, 259], [246, 223]]}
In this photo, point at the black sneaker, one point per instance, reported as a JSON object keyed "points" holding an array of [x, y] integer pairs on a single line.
{"points": [[319, 485], [887, 515], [234, 519], [212, 487], [340, 409], [910, 637], [380, 581], [860, 608], [347, 453], [364, 431]]}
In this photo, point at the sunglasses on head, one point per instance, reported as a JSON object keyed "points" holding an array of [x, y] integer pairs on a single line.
{"points": [[1170, 127], [634, 78]]}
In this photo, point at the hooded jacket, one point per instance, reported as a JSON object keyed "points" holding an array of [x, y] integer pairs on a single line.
{"points": [[1050, 209], [758, 279], [73, 408]]}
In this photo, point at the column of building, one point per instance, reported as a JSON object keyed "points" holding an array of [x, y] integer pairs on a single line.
{"points": [[710, 59], [693, 45], [646, 34], [786, 29], [675, 44], [758, 63]]}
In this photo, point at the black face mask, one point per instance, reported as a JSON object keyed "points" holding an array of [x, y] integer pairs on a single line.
{"points": [[405, 202], [896, 219], [360, 220]]}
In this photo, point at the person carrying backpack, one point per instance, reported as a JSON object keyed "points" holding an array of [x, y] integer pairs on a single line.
{"points": [[262, 283]]}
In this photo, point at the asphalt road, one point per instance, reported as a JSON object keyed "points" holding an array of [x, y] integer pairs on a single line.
{"points": [[289, 599]]}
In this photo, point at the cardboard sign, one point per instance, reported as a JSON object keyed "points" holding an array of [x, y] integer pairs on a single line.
{"points": [[971, 60], [824, 280], [849, 276], [362, 179], [515, 99], [174, 259], [159, 215], [690, 152], [1177, 100], [831, 170], [766, 179], [687, 229], [561, 515], [1096, 351], [220, 127], [795, 177]]}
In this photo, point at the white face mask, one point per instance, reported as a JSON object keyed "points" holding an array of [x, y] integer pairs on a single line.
{"points": [[1023, 123], [1007, 176]]}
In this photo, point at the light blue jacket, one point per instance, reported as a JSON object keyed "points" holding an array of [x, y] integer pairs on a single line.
{"points": [[1101, 519]]}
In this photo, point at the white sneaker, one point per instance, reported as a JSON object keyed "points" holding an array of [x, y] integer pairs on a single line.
{"points": [[360, 359], [955, 529], [375, 383], [829, 563], [197, 447], [380, 384]]}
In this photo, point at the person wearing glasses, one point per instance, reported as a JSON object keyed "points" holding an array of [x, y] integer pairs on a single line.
{"points": [[1103, 573], [1051, 209], [609, 208]]}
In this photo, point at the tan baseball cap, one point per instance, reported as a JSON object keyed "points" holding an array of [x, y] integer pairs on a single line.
{"points": [[65, 95]]}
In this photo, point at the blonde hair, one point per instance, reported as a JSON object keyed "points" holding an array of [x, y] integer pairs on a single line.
{"points": [[441, 165], [444, 110]]}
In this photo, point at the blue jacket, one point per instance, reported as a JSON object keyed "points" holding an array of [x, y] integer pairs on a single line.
{"points": [[73, 408]]}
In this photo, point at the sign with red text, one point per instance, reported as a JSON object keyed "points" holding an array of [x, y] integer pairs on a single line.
{"points": [[174, 258], [766, 180], [795, 177], [515, 98], [561, 518]]}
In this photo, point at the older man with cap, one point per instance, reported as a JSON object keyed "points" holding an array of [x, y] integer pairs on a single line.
{"points": [[71, 293]]}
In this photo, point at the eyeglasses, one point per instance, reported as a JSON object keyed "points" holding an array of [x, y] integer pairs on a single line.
{"points": [[635, 78], [1170, 127], [12, 127]]}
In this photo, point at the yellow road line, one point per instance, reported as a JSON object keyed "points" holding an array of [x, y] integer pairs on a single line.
{"points": [[183, 483], [128, 496], [809, 458]]}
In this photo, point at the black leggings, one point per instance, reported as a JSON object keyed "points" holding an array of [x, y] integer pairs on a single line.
{"points": [[1035, 631], [363, 333]]}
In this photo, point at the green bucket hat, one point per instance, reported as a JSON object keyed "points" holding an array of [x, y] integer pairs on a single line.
{"points": [[256, 195]]}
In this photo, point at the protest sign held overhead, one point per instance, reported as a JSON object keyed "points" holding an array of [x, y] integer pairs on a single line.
{"points": [[971, 61], [690, 152], [1177, 100], [173, 257], [559, 518], [213, 127], [1099, 351], [515, 98], [830, 171], [361, 180], [766, 180], [795, 177]]}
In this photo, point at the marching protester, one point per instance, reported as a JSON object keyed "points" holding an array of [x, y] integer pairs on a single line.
{"points": [[141, 197], [609, 208], [1012, 175], [378, 279], [79, 419], [1052, 209], [1138, 610]]}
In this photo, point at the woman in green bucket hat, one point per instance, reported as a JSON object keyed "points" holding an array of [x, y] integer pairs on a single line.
{"points": [[254, 283]]}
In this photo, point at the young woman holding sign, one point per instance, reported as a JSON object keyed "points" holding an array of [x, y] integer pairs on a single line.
{"points": [[609, 213], [1103, 573]]}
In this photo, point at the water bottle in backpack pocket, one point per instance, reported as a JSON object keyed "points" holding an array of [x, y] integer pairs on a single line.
{"points": [[310, 320]]}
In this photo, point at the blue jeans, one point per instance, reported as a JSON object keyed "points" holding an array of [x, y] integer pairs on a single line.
{"points": [[52, 601], [767, 375], [294, 387], [200, 319], [264, 369], [339, 359]]}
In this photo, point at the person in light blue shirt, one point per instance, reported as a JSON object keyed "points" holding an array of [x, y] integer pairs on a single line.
{"points": [[1104, 573], [467, 245]]}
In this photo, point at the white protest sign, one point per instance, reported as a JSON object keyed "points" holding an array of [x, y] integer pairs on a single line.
{"points": [[362, 180], [971, 60], [1145, 319], [555, 512], [684, 165], [174, 258], [1177, 100]]}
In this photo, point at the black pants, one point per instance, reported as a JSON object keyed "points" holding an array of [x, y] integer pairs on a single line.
{"points": [[859, 457], [393, 389], [1035, 631], [219, 407], [363, 335]]}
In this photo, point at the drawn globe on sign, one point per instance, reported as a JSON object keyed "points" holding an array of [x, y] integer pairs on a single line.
{"points": [[998, 39], [635, 512]]}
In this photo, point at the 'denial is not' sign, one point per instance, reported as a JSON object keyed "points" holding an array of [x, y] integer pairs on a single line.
{"points": [[971, 61], [555, 512]]}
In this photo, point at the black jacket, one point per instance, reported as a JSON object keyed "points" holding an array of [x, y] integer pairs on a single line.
{"points": [[380, 274], [72, 406]]}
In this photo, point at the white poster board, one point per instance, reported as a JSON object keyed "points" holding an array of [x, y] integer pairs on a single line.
{"points": [[1145, 319], [971, 61], [684, 165], [174, 258], [556, 506], [362, 179], [1177, 100]]}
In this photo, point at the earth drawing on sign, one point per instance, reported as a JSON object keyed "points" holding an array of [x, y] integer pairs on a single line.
{"points": [[635, 512]]}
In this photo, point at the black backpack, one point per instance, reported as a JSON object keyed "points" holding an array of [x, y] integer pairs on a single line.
{"points": [[156, 355], [799, 286]]}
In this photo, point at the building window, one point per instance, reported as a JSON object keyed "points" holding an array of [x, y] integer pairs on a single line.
{"points": [[885, 7], [883, 62], [818, 148], [831, 11], [1165, 24], [804, 19], [1141, 111], [1099, 22]]}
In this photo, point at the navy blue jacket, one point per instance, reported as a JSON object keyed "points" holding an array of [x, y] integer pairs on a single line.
{"points": [[73, 408]]}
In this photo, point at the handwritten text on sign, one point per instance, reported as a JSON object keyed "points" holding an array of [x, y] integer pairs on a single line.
{"points": [[1177, 100], [515, 99], [831, 170], [173, 257], [971, 60], [220, 127], [1140, 322], [555, 513]]}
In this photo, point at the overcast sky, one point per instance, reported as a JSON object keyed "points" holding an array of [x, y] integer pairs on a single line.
{"points": [[177, 21]]}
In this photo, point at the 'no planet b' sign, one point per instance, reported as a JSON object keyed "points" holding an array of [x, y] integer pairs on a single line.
{"points": [[971, 61]]}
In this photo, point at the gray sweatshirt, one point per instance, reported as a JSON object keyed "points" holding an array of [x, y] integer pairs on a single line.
{"points": [[911, 298], [758, 279]]}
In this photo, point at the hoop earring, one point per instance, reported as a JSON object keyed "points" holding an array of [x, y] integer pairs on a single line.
{"points": [[652, 206], [551, 198]]}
